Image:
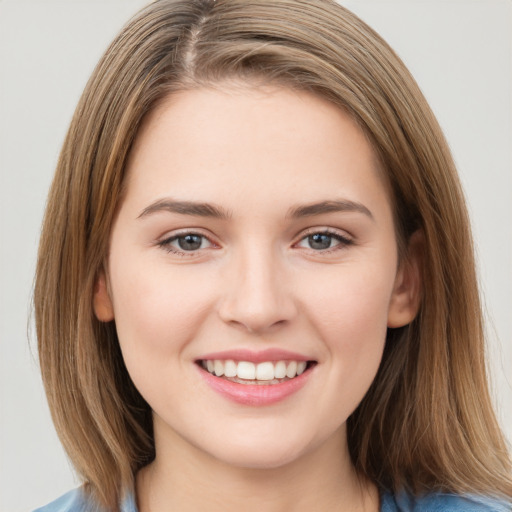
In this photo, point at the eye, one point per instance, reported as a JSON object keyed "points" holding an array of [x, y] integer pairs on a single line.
{"points": [[185, 243], [324, 241]]}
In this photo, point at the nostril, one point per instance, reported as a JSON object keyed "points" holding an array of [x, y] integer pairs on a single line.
{"points": [[257, 307]]}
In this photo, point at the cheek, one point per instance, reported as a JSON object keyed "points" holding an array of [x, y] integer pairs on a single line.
{"points": [[157, 314], [350, 316], [354, 299], [157, 311]]}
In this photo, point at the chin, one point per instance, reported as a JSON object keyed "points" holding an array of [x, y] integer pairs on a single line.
{"points": [[262, 452], [258, 458]]}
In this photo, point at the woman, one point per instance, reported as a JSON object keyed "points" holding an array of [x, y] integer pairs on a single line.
{"points": [[256, 275]]}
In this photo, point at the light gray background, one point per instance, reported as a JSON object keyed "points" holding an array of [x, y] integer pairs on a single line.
{"points": [[460, 51]]}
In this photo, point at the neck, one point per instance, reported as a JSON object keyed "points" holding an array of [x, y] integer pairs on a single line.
{"points": [[186, 479]]}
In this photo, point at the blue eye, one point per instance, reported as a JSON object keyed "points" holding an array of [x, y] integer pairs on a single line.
{"points": [[190, 242], [186, 242], [320, 241], [324, 241]]}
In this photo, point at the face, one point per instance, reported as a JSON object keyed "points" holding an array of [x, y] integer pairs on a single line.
{"points": [[252, 272]]}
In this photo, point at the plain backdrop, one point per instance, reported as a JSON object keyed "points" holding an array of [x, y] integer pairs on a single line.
{"points": [[460, 52]]}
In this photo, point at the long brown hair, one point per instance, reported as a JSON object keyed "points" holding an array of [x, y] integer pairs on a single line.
{"points": [[427, 421]]}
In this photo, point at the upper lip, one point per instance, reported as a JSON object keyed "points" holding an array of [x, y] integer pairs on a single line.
{"points": [[260, 356]]}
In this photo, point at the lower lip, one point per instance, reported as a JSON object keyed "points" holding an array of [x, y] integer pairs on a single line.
{"points": [[254, 394]]}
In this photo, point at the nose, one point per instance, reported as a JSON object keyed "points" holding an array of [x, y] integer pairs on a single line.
{"points": [[258, 296]]}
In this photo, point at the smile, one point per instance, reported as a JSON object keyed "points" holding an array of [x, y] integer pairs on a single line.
{"points": [[255, 379], [247, 372]]}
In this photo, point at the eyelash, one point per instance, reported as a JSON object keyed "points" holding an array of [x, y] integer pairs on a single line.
{"points": [[344, 242], [166, 243]]}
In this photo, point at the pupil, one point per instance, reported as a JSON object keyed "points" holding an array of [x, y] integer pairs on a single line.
{"points": [[189, 242], [319, 241]]}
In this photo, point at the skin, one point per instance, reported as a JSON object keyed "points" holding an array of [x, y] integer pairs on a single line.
{"points": [[256, 282]]}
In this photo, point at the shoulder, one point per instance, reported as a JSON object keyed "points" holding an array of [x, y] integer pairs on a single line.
{"points": [[72, 501], [78, 501], [441, 502]]}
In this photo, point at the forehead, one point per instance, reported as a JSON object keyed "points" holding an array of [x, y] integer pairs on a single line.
{"points": [[243, 110], [235, 136]]}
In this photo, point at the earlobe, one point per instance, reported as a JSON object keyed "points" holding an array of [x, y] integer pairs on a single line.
{"points": [[406, 297], [102, 303]]}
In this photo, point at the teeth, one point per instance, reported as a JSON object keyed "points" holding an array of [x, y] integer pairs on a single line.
{"points": [[246, 370], [301, 366], [218, 368], [280, 370], [230, 368], [266, 371], [291, 369]]}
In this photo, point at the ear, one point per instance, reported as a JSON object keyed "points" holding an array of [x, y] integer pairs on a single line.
{"points": [[406, 298], [102, 303]]}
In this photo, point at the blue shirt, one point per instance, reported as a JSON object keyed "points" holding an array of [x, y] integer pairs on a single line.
{"points": [[438, 502], [75, 501]]}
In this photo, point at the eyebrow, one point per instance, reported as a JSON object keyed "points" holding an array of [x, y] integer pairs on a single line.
{"points": [[186, 208], [330, 206], [200, 209]]}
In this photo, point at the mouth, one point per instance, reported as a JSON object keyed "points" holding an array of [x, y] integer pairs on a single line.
{"points": [[264, 373], [250, 379], [256, 378]]}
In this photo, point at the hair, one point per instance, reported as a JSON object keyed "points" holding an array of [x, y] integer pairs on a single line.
{"points": [[427, 421]]}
